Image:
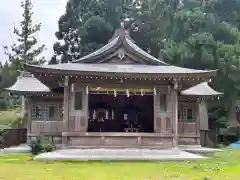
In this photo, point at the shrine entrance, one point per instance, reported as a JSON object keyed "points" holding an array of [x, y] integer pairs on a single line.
{"points": [[121, 113]]}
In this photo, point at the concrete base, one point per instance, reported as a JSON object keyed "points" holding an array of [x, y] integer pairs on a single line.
{"points": [[199, 149], [23, 148], [118, 155]]}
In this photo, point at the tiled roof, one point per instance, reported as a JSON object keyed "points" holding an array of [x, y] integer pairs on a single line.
{"points": [[202, 89], [115, 68]]}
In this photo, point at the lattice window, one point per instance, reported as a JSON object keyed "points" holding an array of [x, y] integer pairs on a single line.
{"points": [[186, 113], [52, 112], [47, 112], [38, 112], [60, 111]]}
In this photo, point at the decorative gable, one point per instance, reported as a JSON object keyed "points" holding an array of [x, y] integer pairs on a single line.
{"points": [[121, 49]]}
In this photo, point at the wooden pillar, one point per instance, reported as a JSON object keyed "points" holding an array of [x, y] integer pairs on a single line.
{"points": [[29, 118], [175, 112], [202, 122], [155, 113], [66, 109], [198, 120], [203, 115], [84, 120]]}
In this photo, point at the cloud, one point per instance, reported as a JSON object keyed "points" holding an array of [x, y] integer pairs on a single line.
{"points": [[45, 11]]}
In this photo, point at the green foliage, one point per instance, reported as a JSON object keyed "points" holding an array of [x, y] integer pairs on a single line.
{"points": [[83, 21], [36, 147], [40, 145], [25, 50], [48, 148], [9, 117], [3, 104], [18, 122], [1, 137]]}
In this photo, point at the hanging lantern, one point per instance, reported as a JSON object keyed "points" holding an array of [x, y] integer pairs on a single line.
{"points": [[66, 80], [175, 84], [94, 114], [112, 114], [115, 93], [125, 116], [141, 92], [128, 93], [169, 89], [106, 114]]}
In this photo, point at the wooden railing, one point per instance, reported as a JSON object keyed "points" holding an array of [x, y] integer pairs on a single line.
{"points": [[187, 128], [48, 127]]}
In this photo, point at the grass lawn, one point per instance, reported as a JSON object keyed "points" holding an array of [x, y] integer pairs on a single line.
{"points": [[224, 166]]}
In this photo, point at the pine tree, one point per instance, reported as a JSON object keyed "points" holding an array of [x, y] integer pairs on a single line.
{"points": [[25, 50]]}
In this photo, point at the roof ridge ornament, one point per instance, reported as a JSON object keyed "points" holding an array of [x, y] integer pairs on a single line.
{"points": [[121, 53], [121, 32]]}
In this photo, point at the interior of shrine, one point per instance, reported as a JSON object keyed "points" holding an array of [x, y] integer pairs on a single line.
{"points": [[120, 113]]}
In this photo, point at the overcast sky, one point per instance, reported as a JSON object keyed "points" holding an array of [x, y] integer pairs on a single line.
{"points": [[45, 11]]}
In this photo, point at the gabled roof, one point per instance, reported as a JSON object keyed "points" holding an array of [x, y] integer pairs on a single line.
{"points": [[121, 39], [202, 89], [26, 83], [118, 70]]}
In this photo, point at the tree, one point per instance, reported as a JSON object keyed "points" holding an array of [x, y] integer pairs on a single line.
{"points": [[25, 50], [83, 22], [207, 37]]}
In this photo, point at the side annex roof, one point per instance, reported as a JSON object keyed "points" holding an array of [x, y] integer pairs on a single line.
{"points": [[202, 89], [26, 83]]}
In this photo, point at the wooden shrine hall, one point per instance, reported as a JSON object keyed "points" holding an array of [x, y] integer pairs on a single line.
{"points": [[117, 96]]}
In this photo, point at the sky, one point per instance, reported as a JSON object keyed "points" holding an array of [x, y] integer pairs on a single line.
{"points": [[45, 11]]}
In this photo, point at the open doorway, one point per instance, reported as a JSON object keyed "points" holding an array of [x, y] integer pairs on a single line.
{"points": [[108, 113]]}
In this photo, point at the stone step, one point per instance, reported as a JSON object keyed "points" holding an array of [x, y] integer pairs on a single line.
{"points": [[117, 154], [120, 151], [116, 147]]}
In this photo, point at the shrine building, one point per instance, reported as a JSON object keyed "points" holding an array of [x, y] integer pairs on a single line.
{"points": [[117, 96]]}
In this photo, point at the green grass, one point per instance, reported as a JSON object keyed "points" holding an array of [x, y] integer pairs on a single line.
{"points": [[224, 166]]}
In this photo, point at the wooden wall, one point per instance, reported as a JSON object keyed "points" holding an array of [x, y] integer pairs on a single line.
{"points": [[45, 124]]}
